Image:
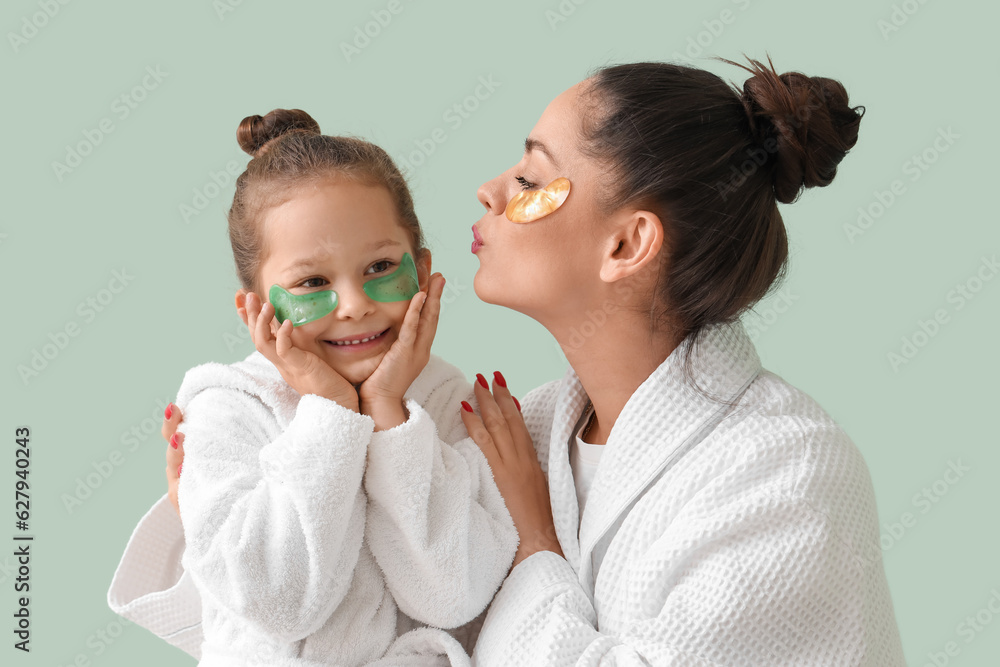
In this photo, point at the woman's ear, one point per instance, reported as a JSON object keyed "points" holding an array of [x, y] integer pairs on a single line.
{"points": [[637, 241], [424, 269], [241, 303]]}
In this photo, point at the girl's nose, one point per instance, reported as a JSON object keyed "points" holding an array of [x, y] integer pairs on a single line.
{"points": [[353, 303]]}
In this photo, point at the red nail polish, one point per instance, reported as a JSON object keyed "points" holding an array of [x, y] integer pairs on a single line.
{"points": [[173, 441], [179, 469], [516, 403], [482, 380], [498, 376], [168, 411], [466, 406]]}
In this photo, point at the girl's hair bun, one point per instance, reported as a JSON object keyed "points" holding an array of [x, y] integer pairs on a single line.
{"points": [[255, 132], [805, 121]]}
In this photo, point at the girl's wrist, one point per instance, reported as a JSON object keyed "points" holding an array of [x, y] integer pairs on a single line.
{"points": [[343, 399], [378, 401], [386, 412]]}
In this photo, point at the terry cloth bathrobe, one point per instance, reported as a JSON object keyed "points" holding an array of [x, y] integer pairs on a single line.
{"points": [[711, 536], [310, 539]]}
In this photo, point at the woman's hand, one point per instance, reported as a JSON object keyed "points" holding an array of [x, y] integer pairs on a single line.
{"points": [[175, 451], [381, 395], [506, 443], [305, 372]]}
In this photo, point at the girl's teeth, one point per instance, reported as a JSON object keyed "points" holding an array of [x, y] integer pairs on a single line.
{"points": [[355, 342]]}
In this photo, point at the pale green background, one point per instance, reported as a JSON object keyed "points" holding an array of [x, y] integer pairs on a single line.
{"points": [[851, 302]]}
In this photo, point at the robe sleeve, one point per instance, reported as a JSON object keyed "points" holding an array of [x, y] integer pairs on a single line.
{"points": [[436, 523], [151, 588], [273, 520]]}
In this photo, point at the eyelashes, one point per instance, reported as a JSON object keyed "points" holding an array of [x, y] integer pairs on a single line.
{"points": [[388, 265], [319, 281], [525, 183]]}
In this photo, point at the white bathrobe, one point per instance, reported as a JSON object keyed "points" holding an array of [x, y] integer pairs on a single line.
{"points": [[711, 536], [310, 538]]}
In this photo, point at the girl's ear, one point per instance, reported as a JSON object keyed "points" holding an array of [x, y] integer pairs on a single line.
{"points": [[241, 304], [424, 269]]}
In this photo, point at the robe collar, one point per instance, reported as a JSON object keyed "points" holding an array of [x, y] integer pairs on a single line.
{"points": [[663, 419]]}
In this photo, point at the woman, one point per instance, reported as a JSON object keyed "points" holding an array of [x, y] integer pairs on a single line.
{"points": [[730, 520]]}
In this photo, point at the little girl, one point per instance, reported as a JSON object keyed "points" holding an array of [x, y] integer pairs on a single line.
{"points": [[330, 495]]}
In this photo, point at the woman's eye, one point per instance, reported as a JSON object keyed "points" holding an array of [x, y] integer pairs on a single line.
{"points": [[312, 282], [379, 267], [525, 183]]}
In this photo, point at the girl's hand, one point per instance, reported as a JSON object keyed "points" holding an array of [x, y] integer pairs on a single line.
{"points": [[175, 451], [303, 370], [409, 353], [506, 443]]}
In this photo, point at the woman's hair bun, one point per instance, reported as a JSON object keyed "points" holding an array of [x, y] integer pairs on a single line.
{"points": [[255, 132], [806, 121]]}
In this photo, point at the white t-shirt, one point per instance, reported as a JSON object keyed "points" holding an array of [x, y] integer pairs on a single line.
{"points": [[583, 459]]}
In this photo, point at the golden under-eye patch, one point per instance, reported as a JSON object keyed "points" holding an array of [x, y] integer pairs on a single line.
{"points": [[530, 205]]}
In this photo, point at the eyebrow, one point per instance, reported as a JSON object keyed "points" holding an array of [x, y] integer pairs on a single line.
{"points": [[308, 264], [533, 144], [382, 244]]}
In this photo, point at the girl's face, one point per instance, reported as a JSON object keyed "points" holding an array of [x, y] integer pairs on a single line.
{"points": [[337, 235], [546, 268]]}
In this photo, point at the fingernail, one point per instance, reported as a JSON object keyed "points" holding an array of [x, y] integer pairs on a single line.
{"points": [[179, 469], [482, 380], [516, 403], [173, 441], [498, 376], [168, 411], [466, 406]]}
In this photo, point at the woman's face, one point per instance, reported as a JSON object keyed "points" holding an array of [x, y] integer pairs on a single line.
{"points": [[546, 268], [337, 236]]}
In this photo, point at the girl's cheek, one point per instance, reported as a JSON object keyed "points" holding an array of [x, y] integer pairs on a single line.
{"points": [[301, 336], [398, 313]]}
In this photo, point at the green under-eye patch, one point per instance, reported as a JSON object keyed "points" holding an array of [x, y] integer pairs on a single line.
{"points": [[400, 285], [301, 308]]}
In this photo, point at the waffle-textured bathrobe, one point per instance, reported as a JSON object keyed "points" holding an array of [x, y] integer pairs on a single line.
{"points": [[310, 539], [713, 535]]}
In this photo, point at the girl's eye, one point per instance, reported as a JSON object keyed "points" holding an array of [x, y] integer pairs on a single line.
{"points": [[312, 282], [380, 266], [525, 183]]}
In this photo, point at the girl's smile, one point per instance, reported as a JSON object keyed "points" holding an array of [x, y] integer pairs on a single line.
{"points": [[360, 342]]}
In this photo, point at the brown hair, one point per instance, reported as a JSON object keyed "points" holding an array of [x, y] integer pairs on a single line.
{"points": [[289, 151], [713, 161]]}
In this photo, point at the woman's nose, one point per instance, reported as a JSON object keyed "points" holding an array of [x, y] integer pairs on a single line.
{"points": [[491, 195]]}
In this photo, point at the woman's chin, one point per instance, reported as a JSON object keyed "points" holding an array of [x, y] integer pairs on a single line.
{"points": [[497, 294], [483, 289]]}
